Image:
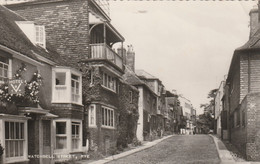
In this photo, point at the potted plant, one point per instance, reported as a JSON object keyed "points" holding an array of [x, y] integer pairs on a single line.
{"points": [[1, 154]]}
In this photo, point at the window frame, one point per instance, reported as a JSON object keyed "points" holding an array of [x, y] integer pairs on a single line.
{"points": [[74, 89], [109, 82], [106, 120], [61, 135], [20, 119], [41, 41], [94, 115], [75, 136], [9, 68], [65, 80]]}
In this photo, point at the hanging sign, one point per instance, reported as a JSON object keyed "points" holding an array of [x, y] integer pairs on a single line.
{"points": [[16, 86]]}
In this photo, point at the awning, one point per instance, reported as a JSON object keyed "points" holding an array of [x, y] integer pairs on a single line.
{"points": [[38, 110]]}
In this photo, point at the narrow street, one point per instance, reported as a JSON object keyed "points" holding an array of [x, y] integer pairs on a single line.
{"points": [[177, 149]]}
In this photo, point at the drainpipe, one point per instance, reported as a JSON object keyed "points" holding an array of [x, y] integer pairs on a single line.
{"points": [[249, 73]]}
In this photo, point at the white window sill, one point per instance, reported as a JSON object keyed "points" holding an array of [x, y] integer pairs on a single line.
{"points": [[108, 88], [108, 127], [92, 126]]}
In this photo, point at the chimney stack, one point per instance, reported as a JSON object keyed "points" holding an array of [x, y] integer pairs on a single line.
{"points": [[254, 20], [130, 57], [123, 53]]}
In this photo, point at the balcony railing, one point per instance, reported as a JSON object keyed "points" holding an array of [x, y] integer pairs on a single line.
{"points": [[103, 51]]}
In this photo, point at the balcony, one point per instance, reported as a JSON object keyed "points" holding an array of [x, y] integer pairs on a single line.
{"points": [[103, 51]]}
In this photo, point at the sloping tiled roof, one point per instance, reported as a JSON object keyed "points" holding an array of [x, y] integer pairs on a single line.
{"points": [[253, 42], [131, 77], [145, 74], [12, 36]]}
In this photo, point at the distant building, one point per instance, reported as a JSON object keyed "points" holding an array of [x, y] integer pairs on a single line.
{"points": [[187, 109], [219, 108]]}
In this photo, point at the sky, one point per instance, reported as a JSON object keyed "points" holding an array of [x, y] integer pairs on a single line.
{"points": [[188, 45]]}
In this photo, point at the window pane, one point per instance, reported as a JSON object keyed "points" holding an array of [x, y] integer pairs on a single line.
{"points": [[17, 133], [61, 142], [12, 149], [73, 129], [16, 148], [112, 118], [7, 130], [77, 130], [60, 127], [103, 116], [74, 77], [72, 83], [12, 130], [60, 78], [22, 130], [7, 145], [21, 148], [108, 122]]}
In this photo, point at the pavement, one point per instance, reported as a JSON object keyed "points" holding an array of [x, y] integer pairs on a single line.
{"points": [[126, 153], [224, 155]]}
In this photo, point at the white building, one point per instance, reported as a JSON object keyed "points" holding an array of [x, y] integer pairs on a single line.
{"points": [[186, 108]]}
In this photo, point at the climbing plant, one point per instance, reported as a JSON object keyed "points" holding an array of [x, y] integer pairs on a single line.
{"points": [[31, 91]]}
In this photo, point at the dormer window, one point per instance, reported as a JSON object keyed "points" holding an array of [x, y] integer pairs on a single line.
{"points": [[36, 33], [40, 36]]}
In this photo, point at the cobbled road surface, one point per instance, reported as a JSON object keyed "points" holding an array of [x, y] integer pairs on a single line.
{"points": [[181, 149]]}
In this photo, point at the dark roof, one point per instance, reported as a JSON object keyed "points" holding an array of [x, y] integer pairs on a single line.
{"points": [[12, 36], [253, 42], [131, 78], [145, 75]]}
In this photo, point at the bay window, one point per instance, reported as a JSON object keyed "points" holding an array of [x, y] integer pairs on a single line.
{"points": [[107, 117], [67, 84]]}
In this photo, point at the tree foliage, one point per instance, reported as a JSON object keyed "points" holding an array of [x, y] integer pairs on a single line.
{"points": [[206, 120]]}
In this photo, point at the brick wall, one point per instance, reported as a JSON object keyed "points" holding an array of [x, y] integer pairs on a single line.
{"points": [[253, 126], [66, 25], [254, 72], [68, 111], [244, 83]]}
